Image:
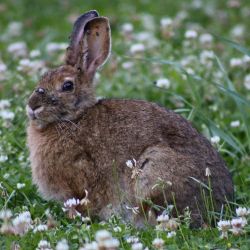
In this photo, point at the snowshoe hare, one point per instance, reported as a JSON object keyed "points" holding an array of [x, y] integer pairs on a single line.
{"points": [[125, 153]]}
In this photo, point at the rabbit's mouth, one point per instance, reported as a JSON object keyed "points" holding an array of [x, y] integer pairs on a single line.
{"points": [[37, 116], [33, 114]]}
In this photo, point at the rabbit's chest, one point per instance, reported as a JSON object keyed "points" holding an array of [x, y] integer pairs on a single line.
{"points": [[61, 170]]}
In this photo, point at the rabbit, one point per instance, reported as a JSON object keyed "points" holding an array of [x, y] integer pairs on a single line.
{"points": [[126, 154]]}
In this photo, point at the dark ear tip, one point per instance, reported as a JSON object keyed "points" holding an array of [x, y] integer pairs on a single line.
{"points": [[85, 17], [93, 12]]}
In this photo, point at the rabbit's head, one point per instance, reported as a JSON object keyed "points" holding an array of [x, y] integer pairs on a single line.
{"points": [[65, 92]]}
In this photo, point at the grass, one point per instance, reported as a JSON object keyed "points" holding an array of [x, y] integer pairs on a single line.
{"points": [[210, 94]]}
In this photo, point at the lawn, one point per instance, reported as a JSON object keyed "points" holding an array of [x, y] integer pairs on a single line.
{"points": [[190, 56]]}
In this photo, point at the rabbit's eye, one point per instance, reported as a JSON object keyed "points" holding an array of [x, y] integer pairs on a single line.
{"points": [[68, 86]]}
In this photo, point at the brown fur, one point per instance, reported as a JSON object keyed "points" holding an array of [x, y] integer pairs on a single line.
{"points": [[77, 143]]}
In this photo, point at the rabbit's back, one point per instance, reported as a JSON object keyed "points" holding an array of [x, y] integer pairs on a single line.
{"points": [[130, 126]]}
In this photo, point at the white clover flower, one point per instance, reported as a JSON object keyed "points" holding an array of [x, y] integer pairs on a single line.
{"points": [[28, 66], [181, 15], [148, 21], [52, 48], [35, 53], [143, 36], [7, 228], [163, 218], [127, 28], [22, 223], [235, 124], [43, 245], [206, 57], [246, 59], [215, 139], [191, 34], [237, 225], [4, 104], [117, 229], [18, 49], [40, 228], [3, 67], [218, 74], [238, 31], [69, 206], [242, 211], [190, 71], [167, 27], [163, 83], [172, 224], [90, 246], [234, 4], [62, 245], [146, 38], [7, 115], [206, 39], [14, 29], [188, 60], [223, 225], [166, 22], [137, 246], [247, 81], [196, 4], [6, 176], [127, 65], [5, 214], [132, 239], [137, 48], [158, 243], [3, 158], [105, 241], [71, 203], [20, 185], [102, 235], [207, 172], [111, 243], [236, 62], [24, 65], [239, 222], [171, 234], [85, 219]]}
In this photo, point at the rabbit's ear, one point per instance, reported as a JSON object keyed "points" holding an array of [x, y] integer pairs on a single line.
{"points": [[75, 47], [96, 44]]}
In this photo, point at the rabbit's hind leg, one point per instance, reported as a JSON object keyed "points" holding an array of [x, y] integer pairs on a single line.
{"points": [[164, 180], [156, 166]]}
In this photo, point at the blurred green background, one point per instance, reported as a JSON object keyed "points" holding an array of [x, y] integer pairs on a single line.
{"points": [[208, 82]]}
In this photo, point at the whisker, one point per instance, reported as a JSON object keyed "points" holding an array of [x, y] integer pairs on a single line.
{"points": [[57, 129], [72, 123], [67, 128]]}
